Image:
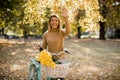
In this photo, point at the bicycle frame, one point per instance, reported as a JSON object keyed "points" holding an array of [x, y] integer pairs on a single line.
{"points": [[38, 69]]}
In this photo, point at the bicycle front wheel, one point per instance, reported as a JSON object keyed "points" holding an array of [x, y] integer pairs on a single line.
{"points": [[33, 74]]}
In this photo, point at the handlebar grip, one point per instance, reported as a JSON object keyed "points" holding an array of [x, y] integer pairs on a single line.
{"points": [[67, 51], [40, 49]]}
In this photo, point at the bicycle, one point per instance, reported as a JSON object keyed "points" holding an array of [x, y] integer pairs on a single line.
{"points": [[35, 69]]}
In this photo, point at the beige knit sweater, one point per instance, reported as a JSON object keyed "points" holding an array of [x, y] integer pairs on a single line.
{"points": [[54, 40]]}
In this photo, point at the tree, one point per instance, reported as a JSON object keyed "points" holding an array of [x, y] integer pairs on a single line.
{"points": [[109, 9], [30, 14], [103, 13], [45, 17], [113, 17], [11, 13], [80, 14]]}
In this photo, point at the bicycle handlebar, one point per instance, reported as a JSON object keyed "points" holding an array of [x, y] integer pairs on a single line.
{"points": [[66, 51]]}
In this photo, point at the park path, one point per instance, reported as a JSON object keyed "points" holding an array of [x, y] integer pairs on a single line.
{"points": [[92, 59]]}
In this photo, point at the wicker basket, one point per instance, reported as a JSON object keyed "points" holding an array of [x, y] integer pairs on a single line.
{"points": [[60, 70]]}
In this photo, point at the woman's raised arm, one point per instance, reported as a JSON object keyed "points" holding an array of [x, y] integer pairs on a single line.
{"points": [[67, 24]]}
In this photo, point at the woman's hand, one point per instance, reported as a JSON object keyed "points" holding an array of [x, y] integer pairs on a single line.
{"points": [[64, 12]]}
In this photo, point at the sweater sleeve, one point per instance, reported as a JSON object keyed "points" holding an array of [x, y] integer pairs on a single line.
{"points": [[67, 26], [44, 42]]}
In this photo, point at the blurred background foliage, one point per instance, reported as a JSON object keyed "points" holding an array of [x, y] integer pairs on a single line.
{"points": [[25, 18]]}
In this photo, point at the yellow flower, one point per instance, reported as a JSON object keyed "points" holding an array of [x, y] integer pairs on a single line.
{"points": [[53, 65], [46, 59]]}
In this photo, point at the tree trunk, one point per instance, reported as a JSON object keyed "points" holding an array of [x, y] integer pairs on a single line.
{"points": [[25, 34], [102, 30], [79, 32]]}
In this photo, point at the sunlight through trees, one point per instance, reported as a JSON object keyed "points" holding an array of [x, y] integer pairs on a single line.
{"points": [[34, 9], [28, 16]]}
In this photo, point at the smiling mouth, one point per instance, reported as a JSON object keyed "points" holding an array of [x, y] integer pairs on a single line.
{"points": [[54, 24]]}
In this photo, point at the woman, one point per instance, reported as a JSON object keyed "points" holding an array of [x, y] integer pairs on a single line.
{"points": [[53, 38]]}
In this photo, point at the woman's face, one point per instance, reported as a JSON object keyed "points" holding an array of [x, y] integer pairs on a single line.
{"points": [[54, 22]]}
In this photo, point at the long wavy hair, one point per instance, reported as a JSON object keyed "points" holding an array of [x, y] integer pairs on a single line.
{"points": [[49, 26]]}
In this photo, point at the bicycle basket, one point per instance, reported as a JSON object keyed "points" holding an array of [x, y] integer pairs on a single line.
{"points": [[60, 70]]}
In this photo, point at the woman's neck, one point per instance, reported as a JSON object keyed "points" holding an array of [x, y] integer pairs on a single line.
{"points": [[54, 29]]}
